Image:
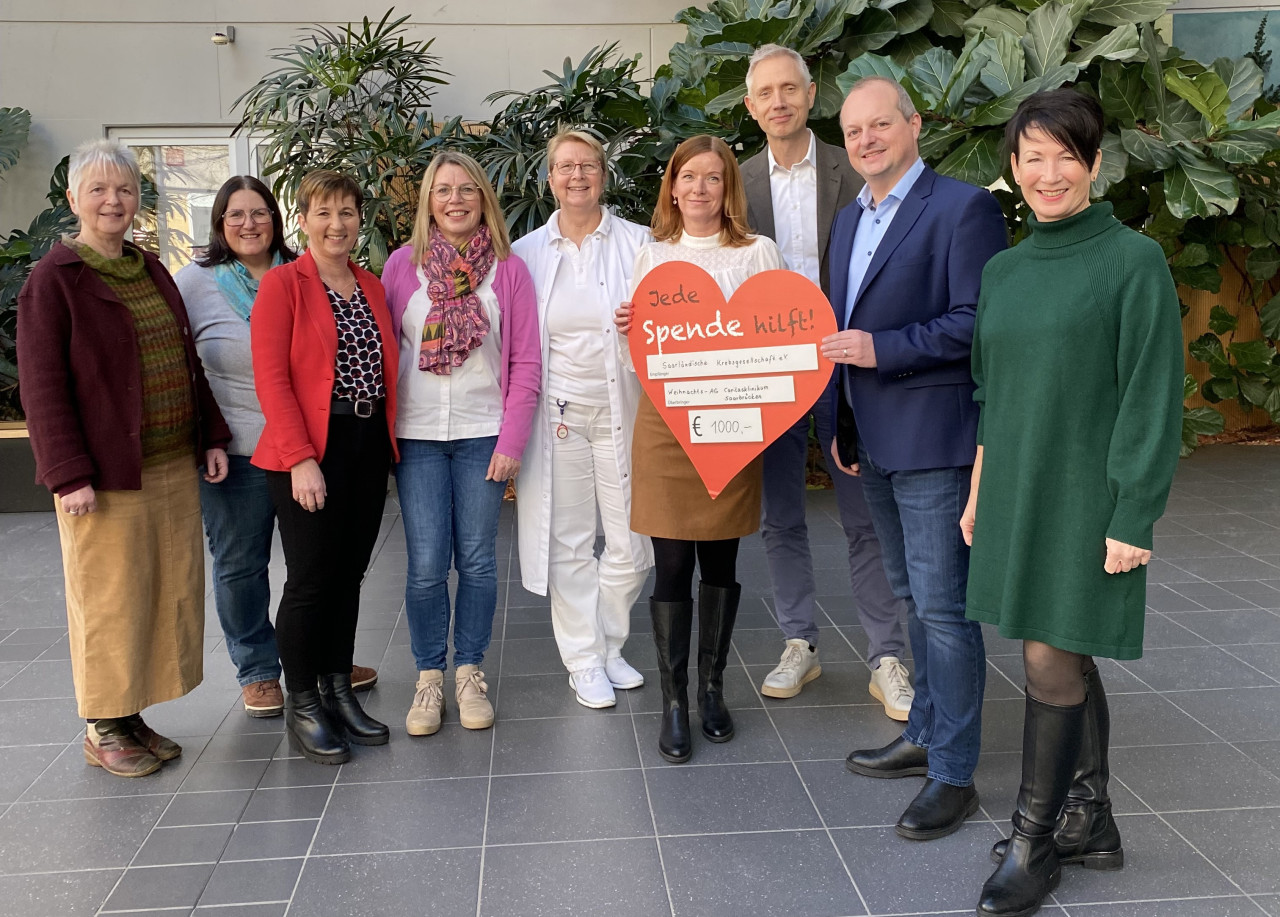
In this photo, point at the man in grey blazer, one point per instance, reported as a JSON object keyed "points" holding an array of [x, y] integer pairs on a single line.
{"points": [[794, 189]]}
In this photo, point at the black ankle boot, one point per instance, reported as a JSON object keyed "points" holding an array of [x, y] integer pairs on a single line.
{"points": [[345, 711], [310, 732], [1087, 832], [717, 610], [672, 622], [1030, 869]]}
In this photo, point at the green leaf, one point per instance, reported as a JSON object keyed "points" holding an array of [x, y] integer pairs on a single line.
{"points": [[1221, 321], [869, 32], [996, 19], [1202, 421], [1189, 386], [912, 15], [1222, 389], [1120, 92], [1006, 64], [1243, 79], [1208, 349], [829, 98], [827, 26], [1252, 356], [868, 65], [1193, 254], [1117, 12], [15, 125], [1240, 152], [1048, 36], [1120, 44], [1200, 277], [976, 161], [1000, 110], [1152, 73], [727, 100], [1269, 121], [906, 48], [931, 72], [1206, 93], [1147, 149], [1272, 405], [1271, 225], [1063, 73], [949, 17], [1262, 263], [1256, 391], [1270, 316], [1115, 162], [937, 140], [968, 66], [1195, 186]]}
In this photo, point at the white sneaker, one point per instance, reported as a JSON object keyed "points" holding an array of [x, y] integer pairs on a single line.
{"points": [[593, 688], [798, 667], [622, 674], [891, 685]]}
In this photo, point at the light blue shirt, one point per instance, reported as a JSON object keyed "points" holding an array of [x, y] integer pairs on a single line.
{"points": [[874, 223]]}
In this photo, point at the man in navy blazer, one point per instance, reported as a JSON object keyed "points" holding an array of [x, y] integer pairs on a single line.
{"points": [[907, 258]]}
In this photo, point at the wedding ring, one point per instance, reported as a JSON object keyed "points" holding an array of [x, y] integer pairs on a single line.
{"points": [[846, 351]]}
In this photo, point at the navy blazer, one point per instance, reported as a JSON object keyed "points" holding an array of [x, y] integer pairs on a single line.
{"points": [[915, 409]]}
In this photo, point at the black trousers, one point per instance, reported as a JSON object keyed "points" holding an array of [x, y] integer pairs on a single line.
{"points": [[327, 552], [674, 565]]}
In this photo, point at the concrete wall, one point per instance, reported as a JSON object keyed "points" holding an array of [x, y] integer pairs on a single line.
{"points": [[84, 67]]}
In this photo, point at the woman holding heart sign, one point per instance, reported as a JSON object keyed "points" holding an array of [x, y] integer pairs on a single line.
{"points": [[700, 218]]}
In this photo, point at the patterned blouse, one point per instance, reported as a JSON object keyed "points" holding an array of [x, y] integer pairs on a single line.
{"points": [[358, 368]]}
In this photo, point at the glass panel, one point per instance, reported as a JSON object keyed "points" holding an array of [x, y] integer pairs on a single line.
{"points": [[187, 177]]}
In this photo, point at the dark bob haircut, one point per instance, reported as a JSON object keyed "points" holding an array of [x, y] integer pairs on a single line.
{"points": [[219, 252], [1069, 117]]}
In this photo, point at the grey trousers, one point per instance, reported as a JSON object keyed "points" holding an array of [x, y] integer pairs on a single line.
{"points": [[786, 541]]}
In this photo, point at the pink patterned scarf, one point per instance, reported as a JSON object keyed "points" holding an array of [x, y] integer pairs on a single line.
{"points": [[456, 322]]}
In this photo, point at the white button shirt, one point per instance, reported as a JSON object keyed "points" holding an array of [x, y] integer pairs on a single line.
{"points": [[795, 211]]}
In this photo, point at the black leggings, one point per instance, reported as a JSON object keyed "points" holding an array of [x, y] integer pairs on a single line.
{"points": [[674, 563]]}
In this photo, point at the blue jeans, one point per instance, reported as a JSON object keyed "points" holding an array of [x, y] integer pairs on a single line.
{"points": [[450, 517], [239, 520], [917, 516]]}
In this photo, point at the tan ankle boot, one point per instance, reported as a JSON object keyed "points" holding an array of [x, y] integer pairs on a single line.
{"points": [[474, 709], [428, 704]]}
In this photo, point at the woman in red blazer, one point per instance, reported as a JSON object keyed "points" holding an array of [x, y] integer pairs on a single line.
{"points": [[324, 366]]}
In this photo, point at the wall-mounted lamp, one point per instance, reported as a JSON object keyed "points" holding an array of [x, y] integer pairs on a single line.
{"points": [[224, 36]]}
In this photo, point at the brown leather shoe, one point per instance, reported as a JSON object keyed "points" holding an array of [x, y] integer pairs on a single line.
{"points": [[263, 698], [117, 751], [363, 678], [152, 741]]}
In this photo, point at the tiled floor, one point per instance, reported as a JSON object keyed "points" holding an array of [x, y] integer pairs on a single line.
{"points": [[563, 810]]}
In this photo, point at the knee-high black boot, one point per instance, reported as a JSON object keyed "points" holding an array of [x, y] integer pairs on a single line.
{"points": [[717, 610], [310, 731], [345, 711], [1087, 832], [672, 622], [1030, 869]]}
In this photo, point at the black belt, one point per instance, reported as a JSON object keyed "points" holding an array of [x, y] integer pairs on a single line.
{"points": [[361, 407]]}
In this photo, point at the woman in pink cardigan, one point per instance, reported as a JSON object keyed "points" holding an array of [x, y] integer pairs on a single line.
{"points": [[466, 320]]}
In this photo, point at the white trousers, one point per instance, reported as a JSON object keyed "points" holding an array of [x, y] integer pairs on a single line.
{"points": [[591, 598]]}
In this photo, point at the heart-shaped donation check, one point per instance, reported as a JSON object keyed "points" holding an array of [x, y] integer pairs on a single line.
{"points": [[729, 378]]}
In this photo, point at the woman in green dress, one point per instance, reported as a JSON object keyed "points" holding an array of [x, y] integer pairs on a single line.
{"points": [[1080, 388]]}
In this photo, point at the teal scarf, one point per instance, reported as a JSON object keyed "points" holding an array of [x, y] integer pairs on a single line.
{"points": [[238, 286]]}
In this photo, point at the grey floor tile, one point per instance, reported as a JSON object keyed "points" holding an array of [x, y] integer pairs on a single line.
{"points": [[286, 803], [298, 772], [1193, 907], [21, 765], [69, 777], [1237, 714], [169, 846], [999, 776], [243, 910], [1163, 598], [1195, 668], [1152, 719], [59, 894], [1192, 777], [49, 722], [451, 752], [537, 656], [568, 743], [224, 775], [754, 740], [1269, 904], [270, 840], [888, 868], [1232, 626], [1157, 864], [47, 836], [847, 800], [41, 680], [740, 691], [1165, 631], [709, 876], [205, 808], [410, 815], [538, 696], [568, 807], [1265, 753], [249, 883], [159, 887], [542, 880], [729, 797], [1241, 844], [1209, 595], [389, 885], [815, 733], [250, 747]]}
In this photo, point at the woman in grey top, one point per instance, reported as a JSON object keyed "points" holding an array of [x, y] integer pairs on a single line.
{"points": [[246, 241]]}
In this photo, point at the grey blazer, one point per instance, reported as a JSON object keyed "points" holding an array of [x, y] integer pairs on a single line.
{"points": [[838, 185]]}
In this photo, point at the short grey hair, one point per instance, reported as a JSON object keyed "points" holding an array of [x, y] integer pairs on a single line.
{"points": [[764, 52], [905, 105], [103, 154]]}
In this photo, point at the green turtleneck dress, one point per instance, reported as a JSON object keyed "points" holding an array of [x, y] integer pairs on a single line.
{"points": [[1077, 355]]}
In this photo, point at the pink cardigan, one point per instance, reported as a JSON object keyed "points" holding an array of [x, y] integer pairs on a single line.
{"points": [[521, 376]]}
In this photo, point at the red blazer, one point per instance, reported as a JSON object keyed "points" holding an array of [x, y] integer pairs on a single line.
{"points": [[295, 346], [81, 376]]}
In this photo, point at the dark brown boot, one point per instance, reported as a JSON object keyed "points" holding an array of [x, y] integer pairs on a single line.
{"points": [[110, 745]]}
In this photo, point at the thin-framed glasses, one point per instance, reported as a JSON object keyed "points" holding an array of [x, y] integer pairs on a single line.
{"points": [[239, 217], [568, 168], [466, 192]]}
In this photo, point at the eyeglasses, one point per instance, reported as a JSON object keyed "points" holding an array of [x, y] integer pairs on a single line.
{"points": [[239, 217], [568, 168], [466, 192]]}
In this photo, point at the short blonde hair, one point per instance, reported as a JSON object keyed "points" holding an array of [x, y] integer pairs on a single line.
{"points": [[565, 135], [106, 154], [490, 213], [667, 224], [327, 185]]}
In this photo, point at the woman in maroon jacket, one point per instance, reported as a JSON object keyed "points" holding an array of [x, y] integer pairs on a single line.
{"points": [[324, 366], [120, 417]]}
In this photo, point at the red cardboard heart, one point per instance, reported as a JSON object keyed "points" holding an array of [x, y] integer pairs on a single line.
{"points": [[729, 378]]}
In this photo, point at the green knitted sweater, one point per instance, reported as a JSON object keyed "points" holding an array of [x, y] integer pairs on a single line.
{"points": [[1077, 356]]}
